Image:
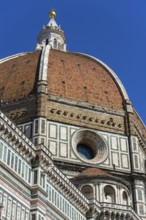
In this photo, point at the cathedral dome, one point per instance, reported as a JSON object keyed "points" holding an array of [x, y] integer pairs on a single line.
{"points": [[69, 75]]}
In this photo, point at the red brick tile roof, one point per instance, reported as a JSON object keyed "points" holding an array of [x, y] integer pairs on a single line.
{"points": [[93, 172], [80, 78], [18, 76], [69, 75]]}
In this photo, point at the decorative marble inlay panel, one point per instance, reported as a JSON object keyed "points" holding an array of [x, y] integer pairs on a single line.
{"points": [[114, 143], [53, 131], [63, 150], [115, 159], [53, 147], [123, 144], [134, 144], [125, 163], [136, 161], [63, 133], [60, 144]]}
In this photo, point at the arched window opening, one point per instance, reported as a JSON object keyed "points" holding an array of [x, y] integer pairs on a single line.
{"points": [[87, 191], [109, 194], [113, 215], [125, 198], [55, 43]]}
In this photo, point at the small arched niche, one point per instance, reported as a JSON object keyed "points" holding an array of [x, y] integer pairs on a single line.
{"points": [[125, 198], [87, 192], [109, 194]]}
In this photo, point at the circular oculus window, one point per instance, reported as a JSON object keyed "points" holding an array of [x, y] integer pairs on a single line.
{"points": [[89, 146]]}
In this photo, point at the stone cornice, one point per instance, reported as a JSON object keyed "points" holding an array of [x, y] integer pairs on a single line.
{"points": [[121, 210], [85, 105], [59, 180], [17, 101], [85, 117], [45, 157], [67, 188], [10, 132]]}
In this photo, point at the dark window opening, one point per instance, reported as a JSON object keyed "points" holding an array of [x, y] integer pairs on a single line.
{"points": [[47, 42], [33, 217], [35, 177], [85, 151]]}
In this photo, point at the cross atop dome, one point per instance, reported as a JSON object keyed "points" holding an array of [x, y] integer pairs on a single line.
{"points": [[52, 34]]}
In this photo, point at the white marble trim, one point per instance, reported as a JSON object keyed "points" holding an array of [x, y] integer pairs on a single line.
{"points": [[44, 63], [12, 57]]}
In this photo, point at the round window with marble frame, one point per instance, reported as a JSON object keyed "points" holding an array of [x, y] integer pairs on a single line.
{"points": [[89, 146]]}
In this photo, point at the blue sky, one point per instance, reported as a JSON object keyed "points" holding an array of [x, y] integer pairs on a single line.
{"points": [[111, 30]]}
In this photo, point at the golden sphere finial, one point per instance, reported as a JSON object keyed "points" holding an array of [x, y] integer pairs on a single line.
{"points": [[52, 14]]}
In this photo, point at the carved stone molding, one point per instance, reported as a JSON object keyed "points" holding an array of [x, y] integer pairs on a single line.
{"points": [[86, 118]]}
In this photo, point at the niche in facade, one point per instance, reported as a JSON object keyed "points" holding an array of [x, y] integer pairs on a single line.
{"points": [[87, 191], [125, 198], [109, 194]]}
